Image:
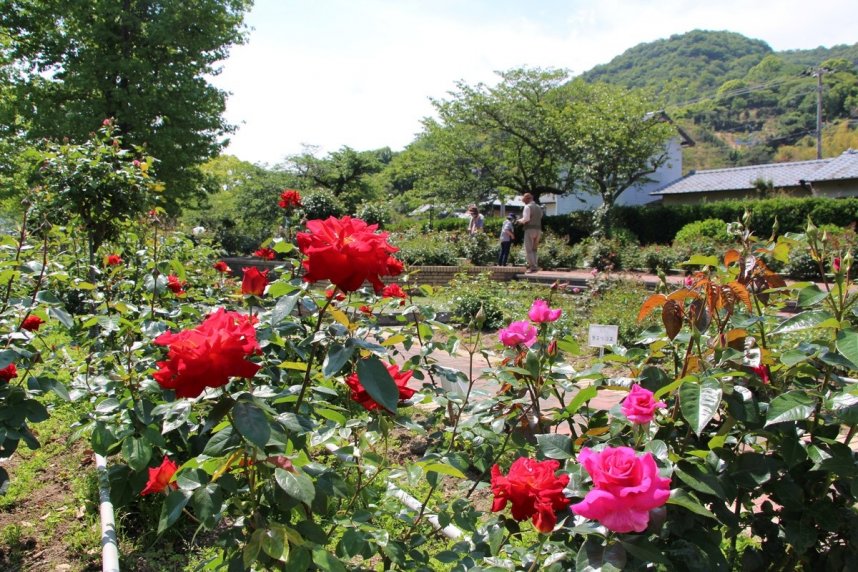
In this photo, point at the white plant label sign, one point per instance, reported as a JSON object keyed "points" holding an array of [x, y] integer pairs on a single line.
{"points": [[601, 335]]}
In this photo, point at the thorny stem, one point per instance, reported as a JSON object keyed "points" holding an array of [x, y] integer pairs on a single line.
{"points": [[307, 373], [21, 238], [37, 286], [850, 434], [422, 344], [155, 270], [533, 567], [494, 461]]}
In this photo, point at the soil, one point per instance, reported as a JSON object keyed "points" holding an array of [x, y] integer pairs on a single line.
{"points": [[47, 517]]}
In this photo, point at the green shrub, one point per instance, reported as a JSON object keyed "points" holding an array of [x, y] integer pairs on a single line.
{"points": [[426, 253], [655, 257], [321, 204], [708, 229], [374, 213], [555, 253], [479, 249], [601, 254], [618, 305]]}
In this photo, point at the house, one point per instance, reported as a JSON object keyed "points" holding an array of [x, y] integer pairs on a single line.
{"points": [[833, 177]]}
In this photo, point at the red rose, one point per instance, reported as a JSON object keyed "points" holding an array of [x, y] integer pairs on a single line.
{"points": [[533, 490], [360, 395], [366, 310], [112, 260], [836, 264], [159, 477], [253, 282], [339, 297], [221, 266], [762, 370], [394, 291], [265, 253], [208, 355], [289, 198], [175, 285], [347, 252], [31, 323], [625, 488], [8, 372]]}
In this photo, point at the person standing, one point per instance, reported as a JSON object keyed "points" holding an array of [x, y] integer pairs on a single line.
{"points": [[531, 220], [477, 221], [507, 233]]}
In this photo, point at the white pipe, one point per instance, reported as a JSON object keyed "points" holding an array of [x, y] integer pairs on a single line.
{"points": [[450, 531], [109, 546]]}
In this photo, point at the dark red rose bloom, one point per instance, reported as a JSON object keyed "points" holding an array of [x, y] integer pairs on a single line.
{"points": [[290, 198], [159, 477], [253, 282], [112, 260], [221, 266], [175, 285], [394, 266], [360, 395], [533, 490], [394, 291], [762, 370], [366, 310], [265, 253], [208, 355], [8, 372], [339, 297], [31, 323], [347, 252]]}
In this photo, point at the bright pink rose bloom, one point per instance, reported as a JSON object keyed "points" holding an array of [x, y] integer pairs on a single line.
{"points": [[625, 488], [360, 395], [533, 490], [639, 405], [518, 333], [160, 477], [208, 355], [540, 312], [347, 252]]}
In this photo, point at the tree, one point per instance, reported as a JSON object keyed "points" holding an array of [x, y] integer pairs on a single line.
{"points": [[143, 63], [346, 173], [500, 138]]}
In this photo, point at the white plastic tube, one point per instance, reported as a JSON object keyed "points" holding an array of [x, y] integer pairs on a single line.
{"points": [[109, 545]]}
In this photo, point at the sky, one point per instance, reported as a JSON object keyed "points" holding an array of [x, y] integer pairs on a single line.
{"points": [[360, 73]]}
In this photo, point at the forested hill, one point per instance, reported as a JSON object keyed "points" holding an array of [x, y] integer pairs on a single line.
{"points": [[744, 102]]}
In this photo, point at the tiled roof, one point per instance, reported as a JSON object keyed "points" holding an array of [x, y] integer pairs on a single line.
{"points": [[781, 175]]}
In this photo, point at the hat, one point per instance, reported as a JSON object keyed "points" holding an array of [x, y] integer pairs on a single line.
{"points": [[511, 216], [472, 209]]}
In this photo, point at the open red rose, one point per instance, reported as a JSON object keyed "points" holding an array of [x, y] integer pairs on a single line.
{"points": [[290, 198], [625, 488], [160, 477], [175, 285], [332, 294], [394, 291], [208, 355], [31, 323], [347, 252], [360, 395], [112, 260], [533, 490], [8, 373], [221, 267], [254, 281], [265, 253]]}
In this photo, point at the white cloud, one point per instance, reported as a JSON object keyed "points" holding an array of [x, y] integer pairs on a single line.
{"points": [[360, 74]]}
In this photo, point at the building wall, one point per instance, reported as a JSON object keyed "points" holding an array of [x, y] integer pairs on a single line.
{"points": [[695, 198], [836, 189]]}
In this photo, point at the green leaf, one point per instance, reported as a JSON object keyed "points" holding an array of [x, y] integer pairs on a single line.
{"points": [[793, 357], [804, 321], [171, 510], [555, 446], [297, 485], [847, 345], [700, 260], [790, 406], [221, 442], [377, 382], [283, 308], [251, 551], [443, 469], [811, 296], [679, 497], [252, 423], [324, 560], [275, 543], [699, 403], [61, 316], [338, 355], [137, 453], [593, 557], [700, 478]]}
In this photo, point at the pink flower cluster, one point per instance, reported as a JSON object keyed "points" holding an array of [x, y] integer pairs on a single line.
{"points": [[524, 332]]}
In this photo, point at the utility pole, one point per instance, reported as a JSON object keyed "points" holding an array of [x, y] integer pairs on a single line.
{"points": [[817, 73]]}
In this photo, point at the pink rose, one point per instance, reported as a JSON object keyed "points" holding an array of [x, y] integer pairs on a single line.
{"points": [[639, 405], [518, 333], [540, 312], [625, 488]]}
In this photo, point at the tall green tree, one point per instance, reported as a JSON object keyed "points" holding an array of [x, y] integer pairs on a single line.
{"points": [[144, 63]]}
